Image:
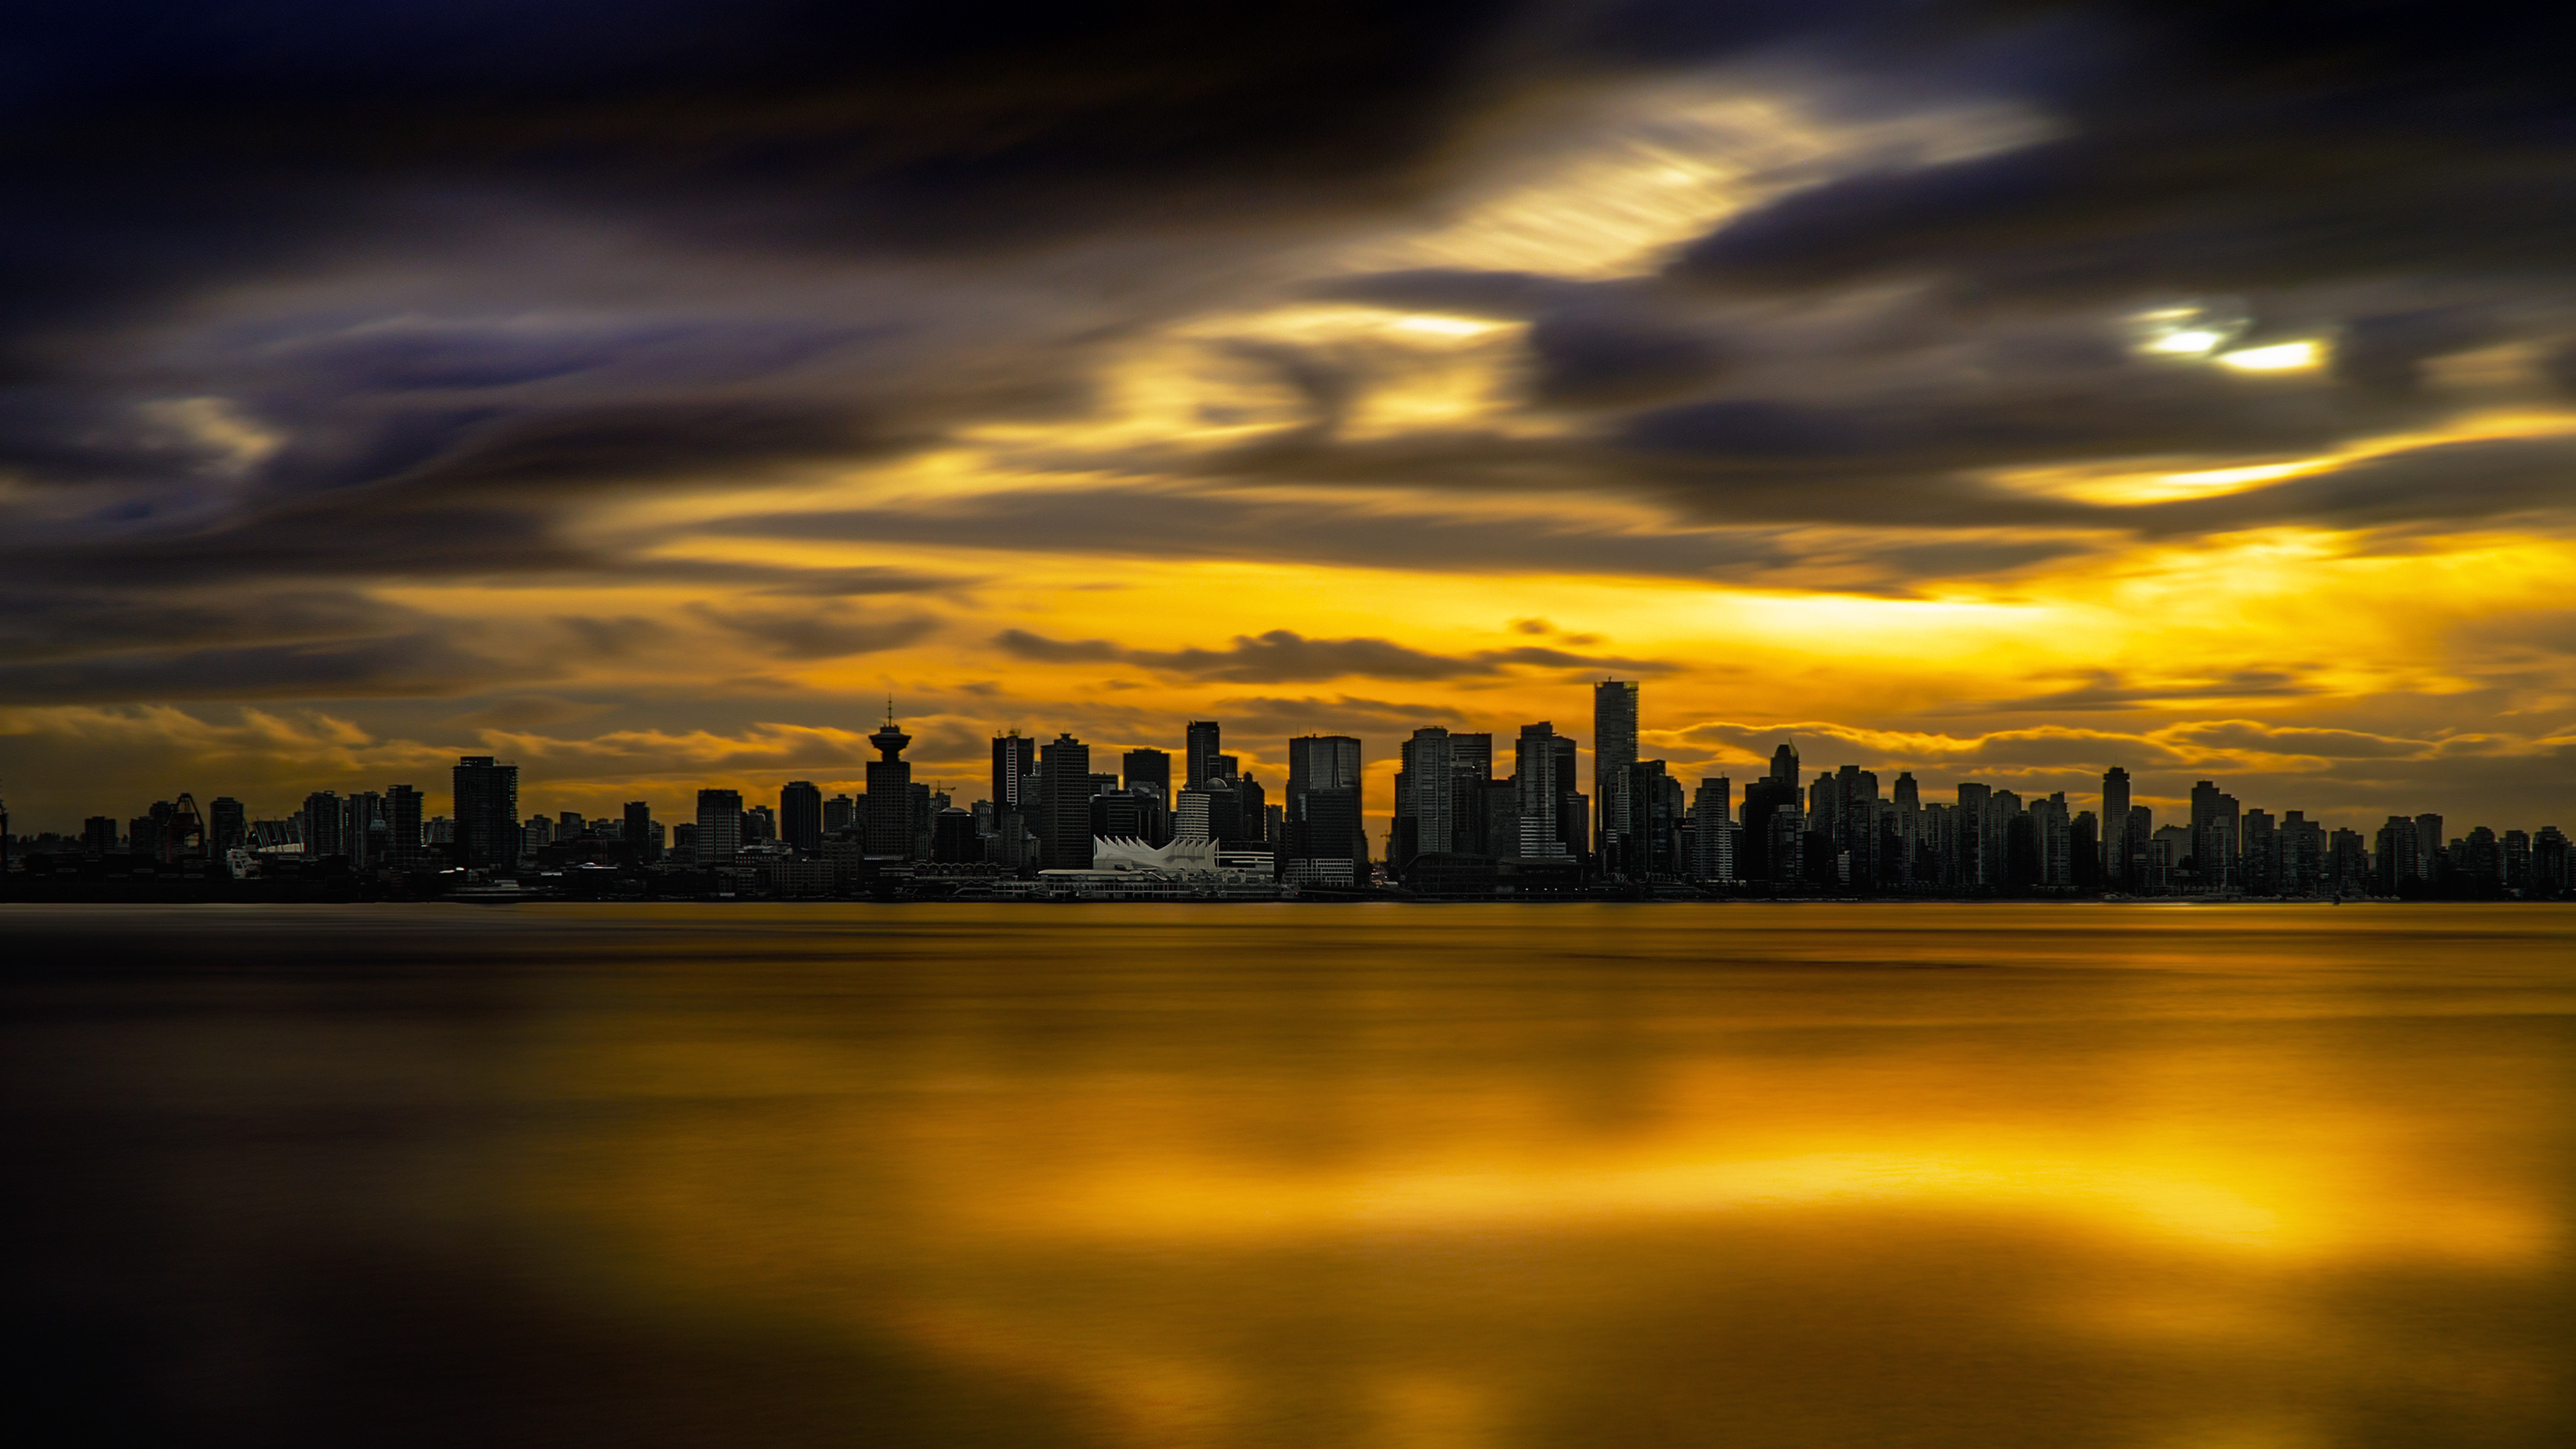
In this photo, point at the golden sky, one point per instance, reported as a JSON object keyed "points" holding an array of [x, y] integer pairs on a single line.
{"points": [[2010, 422]]}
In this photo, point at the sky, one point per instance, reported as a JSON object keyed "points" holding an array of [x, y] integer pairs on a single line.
{"points": [[646, 393]]}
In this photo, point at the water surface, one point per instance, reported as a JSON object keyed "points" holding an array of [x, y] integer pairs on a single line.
{"points": [[1293, 1175]]}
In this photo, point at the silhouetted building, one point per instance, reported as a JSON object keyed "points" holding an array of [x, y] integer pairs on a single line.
{"points": [[1149, 770], [99, 835], [953, 840], [1064, 816], [1539, 791], [1327, 841], [800, 816], [485, 801], [1200, 761], [718, 837], [228, 824], [1614, 749], [638, 831], [890, 811], [2115, 828]]}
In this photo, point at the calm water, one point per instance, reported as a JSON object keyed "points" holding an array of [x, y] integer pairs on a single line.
{"points": [[1249, 1176]]}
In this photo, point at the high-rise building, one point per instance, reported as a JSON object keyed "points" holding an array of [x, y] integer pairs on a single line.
{"points": [[2428, 848], [98, 835], [839, 813], [486, 805], [1614, 749], [1064, 807], [800, 816], [2213, 838], [228, 824], [326, 825], [1015, 758], [2052, 831], [1150, 771], [2115, 828], [1540, 791], [403, 839], [2258, 854], [1327, 840], [1199, 754], [1713, 830], [1426, 797], [718, 838], [369, 840], [890, 827], [2396, 858], [1978, 857], [638, 830]]}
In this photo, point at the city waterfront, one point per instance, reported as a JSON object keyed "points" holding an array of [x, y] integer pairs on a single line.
{"points": [[1581, 1174]]}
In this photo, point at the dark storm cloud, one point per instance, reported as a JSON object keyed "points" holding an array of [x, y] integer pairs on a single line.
{"points": [[1283, 656]]}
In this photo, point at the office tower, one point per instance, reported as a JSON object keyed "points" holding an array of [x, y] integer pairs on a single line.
{"points": [[920, 806], [2053, 833], [1252, 812], [1327, 840], [1764, 798], [2258, 854], [326, 825], [1227, 767], [2517, 860], [2553, 864], [1786, 850], [1472, 755], [1426, 794], [98, 835], [143, 835], [1122, 815], [367, 840], [2167, 849], [718, 835], [800, 816], [2213, 837], [2429, 860], [486, 806], [227, 824], [2115, 828], [2481, 859], [889, 804], [759, 825], [2084, 850], [2301, 855], [2347, 864], [2398, 861], [402, 827], [1979, 864], [1713, 828], [1199, 754], [638, 830], [1908, 823], [439, 829], [1655, 816], [2007, 839], [1014, 760], [1537, 791], [1784, 764], [1614, 749], [839, 814], [1151, 770], [2142, 828], [538, 833], [1064, 806]]}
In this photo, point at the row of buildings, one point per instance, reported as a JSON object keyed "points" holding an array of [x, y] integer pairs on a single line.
{"points": [[1057, 815]]}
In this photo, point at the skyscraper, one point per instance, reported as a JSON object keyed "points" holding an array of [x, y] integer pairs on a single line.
{"points": [[228, 825], [800, 816], [402, 827], [1614, 749], [719, 834], [486, 805], [1064, 814], [1200, 754], [1327, 840], [1534, 775], [638, 830], [890, 805], [326, 826], [2115, 828], [1151, 771], [1014, 759], [1426, 797]]}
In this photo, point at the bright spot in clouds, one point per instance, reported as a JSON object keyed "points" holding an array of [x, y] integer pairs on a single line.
{"points": [[2279, 357]]}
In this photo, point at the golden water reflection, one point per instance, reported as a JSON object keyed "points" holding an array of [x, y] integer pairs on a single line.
{"points": [[1503, 1176]]}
